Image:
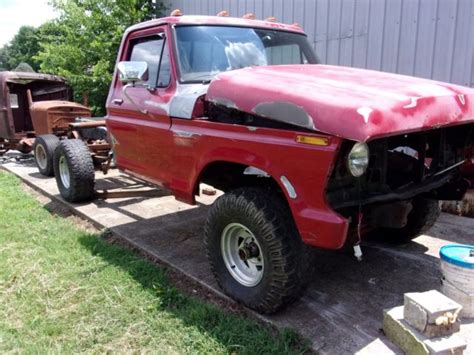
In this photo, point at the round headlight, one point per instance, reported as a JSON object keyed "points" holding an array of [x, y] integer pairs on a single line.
{"points": [[358, 159]]}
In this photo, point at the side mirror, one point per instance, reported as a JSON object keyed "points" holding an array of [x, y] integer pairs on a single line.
{"points": [[132, 72]]}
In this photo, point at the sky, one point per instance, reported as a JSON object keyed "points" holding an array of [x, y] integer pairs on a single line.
{"points": [[17, 13]]}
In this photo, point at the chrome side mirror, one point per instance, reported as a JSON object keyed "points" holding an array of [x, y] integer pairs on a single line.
{"points": [[132, 72]]}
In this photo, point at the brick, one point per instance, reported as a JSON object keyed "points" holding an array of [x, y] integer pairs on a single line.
{"points": [[452, 345], [401, 334], [421, 309], [414, 342]]}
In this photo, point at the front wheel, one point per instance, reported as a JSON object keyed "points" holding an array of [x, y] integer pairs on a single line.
{"points": [[254, 250], [74, 171]]}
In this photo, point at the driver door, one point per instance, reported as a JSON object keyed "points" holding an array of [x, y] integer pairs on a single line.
{"points": [[139, 119]]}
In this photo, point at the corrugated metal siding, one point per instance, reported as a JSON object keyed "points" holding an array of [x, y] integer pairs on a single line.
{"points": [[426, 38]]}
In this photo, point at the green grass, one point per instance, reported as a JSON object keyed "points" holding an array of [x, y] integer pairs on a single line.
{"points": [[64, 290]]}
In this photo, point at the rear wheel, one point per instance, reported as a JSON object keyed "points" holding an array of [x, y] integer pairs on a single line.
{"points": [[422, 217], [255, 252], [43, 149], [74, 170]]}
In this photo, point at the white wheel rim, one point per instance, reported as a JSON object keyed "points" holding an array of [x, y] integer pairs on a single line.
{"points": [[40, 156], [242, 254], [64, 172]]}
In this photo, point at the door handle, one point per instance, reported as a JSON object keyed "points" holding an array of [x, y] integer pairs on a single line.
{"points": [[117, 101]]}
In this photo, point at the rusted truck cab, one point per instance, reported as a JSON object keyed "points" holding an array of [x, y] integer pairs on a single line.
{"points": [[51, 108], [307, 155]]}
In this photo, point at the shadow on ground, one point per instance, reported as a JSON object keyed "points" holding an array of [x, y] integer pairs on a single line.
{"points": [[230, 332], [342, 309]]}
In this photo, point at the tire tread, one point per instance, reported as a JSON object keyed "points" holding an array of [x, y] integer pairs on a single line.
{"points": [[81, 170], [289, 255]]}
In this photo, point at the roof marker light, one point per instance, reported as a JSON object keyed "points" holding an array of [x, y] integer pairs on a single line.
{"points": [[176, 12], [249, 16], [271, 19], [223, 13]]}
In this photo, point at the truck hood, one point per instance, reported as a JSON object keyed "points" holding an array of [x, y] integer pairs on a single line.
{"points": [[347, 102]]}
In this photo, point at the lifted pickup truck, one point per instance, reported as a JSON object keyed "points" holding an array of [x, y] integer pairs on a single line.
{"points": [[306, 154]]}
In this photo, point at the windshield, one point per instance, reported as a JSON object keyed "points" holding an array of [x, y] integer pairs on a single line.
{"points": [[205, 51]]}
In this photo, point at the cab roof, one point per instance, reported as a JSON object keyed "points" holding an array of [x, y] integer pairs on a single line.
{"points": [[216, 21], [25, 77]]}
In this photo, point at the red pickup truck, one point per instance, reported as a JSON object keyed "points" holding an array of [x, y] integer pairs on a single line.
{"points": [[306, 154]]}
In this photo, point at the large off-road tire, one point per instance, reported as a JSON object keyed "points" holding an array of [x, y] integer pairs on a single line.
{"points": [[74, 170], [254, 249], [422, 217], [43, 149]]}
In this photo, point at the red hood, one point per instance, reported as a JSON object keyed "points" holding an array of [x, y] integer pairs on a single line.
{"points": [[351, 103]]}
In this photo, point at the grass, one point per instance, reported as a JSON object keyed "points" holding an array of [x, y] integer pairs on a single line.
{"points": [[64, 290]]}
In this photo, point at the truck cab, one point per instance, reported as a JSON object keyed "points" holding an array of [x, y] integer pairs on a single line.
{"points": [[307, 155]]}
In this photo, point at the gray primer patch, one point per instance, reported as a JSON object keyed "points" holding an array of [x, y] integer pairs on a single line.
{"points": [[285, 112], [183, 101]]}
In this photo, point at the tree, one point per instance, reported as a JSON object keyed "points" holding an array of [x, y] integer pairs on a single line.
{"points": [[22, 49], [3, 58], [24, 67], [82, 43]]}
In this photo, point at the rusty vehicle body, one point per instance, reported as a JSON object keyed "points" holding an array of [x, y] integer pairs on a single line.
{"points": [[54, 116], [36, 107], [306, 154], [17, 128]]}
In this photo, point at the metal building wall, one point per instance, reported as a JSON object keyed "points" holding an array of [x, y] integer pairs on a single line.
{"points": [[426, 38]]}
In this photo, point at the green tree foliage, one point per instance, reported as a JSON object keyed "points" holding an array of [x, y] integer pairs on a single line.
{"points": [[3, 58], [22, 49], [82, 43]]}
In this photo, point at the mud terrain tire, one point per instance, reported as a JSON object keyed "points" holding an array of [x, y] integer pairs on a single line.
{"points": [[74, 171], [285, 258], [422, 217], [43, 149]]}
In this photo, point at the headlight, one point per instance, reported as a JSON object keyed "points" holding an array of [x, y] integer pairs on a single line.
{"points": [[358, 159]]}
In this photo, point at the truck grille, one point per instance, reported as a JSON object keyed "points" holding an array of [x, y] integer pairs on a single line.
{"points": [[401, 166]]}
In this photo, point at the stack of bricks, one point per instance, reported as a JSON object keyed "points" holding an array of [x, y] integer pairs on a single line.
{"points": [[426, 324]]}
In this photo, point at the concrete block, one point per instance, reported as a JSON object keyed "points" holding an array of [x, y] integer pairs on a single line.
{"points": [[431, 313], [402, 334], [413, 342], [452, 345]]}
